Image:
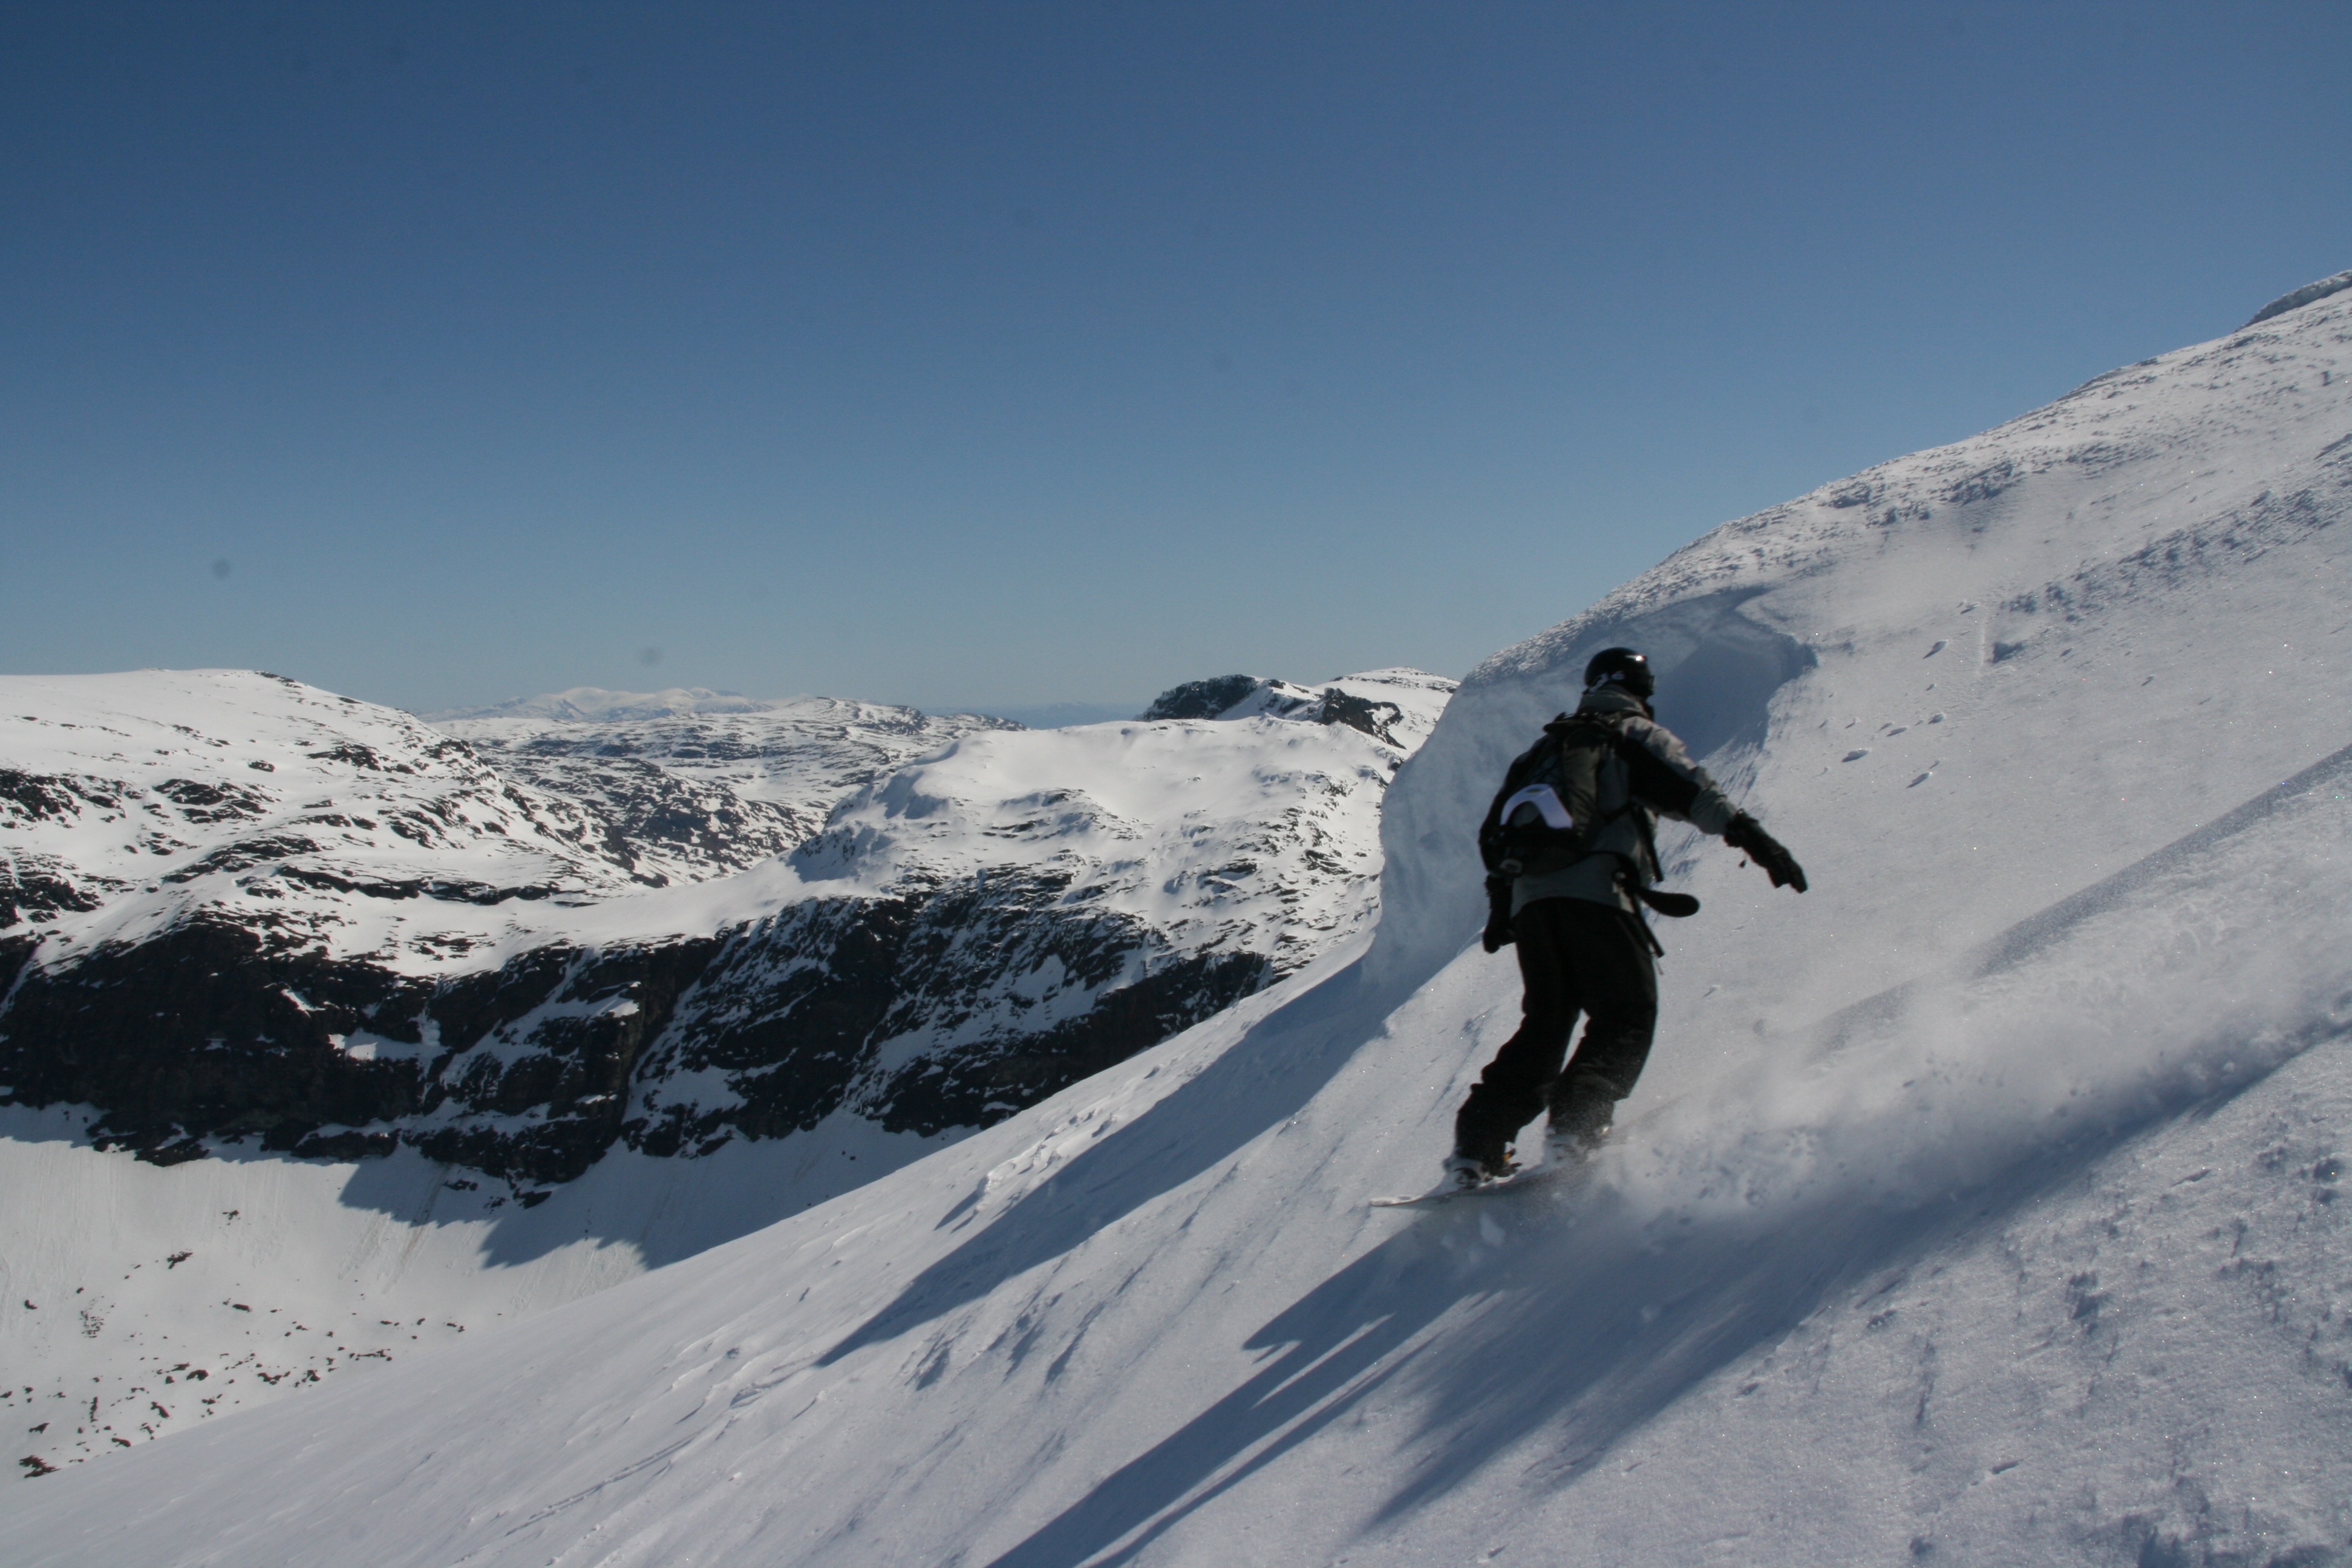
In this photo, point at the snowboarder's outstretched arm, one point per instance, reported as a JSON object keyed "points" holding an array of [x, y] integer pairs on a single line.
{"points": [[1665, 776]]}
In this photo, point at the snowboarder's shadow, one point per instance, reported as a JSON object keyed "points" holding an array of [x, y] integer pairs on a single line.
{"points": [[1550, 1344], [1278, 1064]]}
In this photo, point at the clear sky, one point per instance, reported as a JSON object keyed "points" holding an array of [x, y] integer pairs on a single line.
{"points": [[992, 354]]}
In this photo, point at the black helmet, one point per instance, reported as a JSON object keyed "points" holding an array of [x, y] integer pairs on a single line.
{"points": [[1620, 667]]}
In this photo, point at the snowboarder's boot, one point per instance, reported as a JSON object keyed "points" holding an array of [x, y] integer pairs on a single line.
{"points": [[1465, 1172], [1575, 1130], [1566, 1146]]}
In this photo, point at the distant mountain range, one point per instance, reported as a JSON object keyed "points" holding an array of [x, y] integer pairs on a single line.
{"points": [[385, 992], [594, 704], [240, 912]]}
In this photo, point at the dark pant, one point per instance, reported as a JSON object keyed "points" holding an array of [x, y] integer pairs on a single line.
{"points": [[1574, 956]]}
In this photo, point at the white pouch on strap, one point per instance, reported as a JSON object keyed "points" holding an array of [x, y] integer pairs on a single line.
{"points": [[1546, 804]]}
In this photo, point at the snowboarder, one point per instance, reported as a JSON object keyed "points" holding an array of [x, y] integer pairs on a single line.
{"points": [[1569, 850]]}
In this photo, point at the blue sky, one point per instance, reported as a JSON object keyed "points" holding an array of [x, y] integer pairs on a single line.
{"points": [[992, 356]]}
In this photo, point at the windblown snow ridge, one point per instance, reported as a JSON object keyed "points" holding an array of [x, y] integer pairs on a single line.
{"points": [[2297, 299]]}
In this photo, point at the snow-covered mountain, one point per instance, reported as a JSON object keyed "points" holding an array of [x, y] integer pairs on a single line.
{"points": [[991, 924], [1981, 1206], [700, 784], [291, 932], [244, 909], [601, 705]]}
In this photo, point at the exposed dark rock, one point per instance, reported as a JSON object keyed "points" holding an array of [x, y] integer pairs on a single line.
{"points": [[33, 887], [29, 798], [1377, 720], [16, 951], [976, 1086], [203, 1032], [1201, 699], [1240, 696], [201, 802], [811, 1011], [531, 1071]]}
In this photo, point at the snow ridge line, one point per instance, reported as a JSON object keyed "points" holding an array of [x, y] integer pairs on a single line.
{"points": [[2036, 931], [2013, 946]]}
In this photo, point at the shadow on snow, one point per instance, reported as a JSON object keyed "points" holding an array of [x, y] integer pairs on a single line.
{"points": [[1278, 1064], [1585, 1328], [1571, 1317]]}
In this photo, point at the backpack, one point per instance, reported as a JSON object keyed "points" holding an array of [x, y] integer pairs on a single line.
{"points": [[1548, 813]]}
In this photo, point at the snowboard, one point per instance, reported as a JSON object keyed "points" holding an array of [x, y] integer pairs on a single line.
{"points": [[1529, 1179]]}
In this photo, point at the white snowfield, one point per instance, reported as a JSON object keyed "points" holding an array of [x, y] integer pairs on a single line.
{"points": [[704, 783], [1980, 1206], [155, 793], [359, 831], [1245, 832], [143, 1300]]}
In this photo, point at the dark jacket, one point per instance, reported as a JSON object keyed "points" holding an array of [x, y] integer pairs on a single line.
{"points": [[1656, 776]]}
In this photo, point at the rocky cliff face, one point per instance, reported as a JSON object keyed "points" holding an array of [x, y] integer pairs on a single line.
{"points": [[239, 911]]}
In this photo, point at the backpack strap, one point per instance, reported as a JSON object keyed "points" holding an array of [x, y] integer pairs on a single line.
{"points": [[1642, 765], [1646, 768]]}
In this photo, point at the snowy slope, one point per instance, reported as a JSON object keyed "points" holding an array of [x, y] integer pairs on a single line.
{"points": [[269, 1275], [487, 1100], [1179, 822], [1151, 1321], [1981, 1206]]}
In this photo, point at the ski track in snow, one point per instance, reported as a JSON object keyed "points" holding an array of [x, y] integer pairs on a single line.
{"points": [[1981, 1206]]}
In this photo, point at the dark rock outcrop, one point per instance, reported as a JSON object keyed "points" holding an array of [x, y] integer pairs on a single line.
{"points": [[531, 1071], [1200, 699], [911, 1011]]}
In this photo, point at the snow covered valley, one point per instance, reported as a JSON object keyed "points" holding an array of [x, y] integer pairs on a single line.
{"points": [[329, 1039], [1981, 1206]]}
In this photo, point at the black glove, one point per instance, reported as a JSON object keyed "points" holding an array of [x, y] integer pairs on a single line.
{"points": [[1747, 834], [1498, 934]]}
